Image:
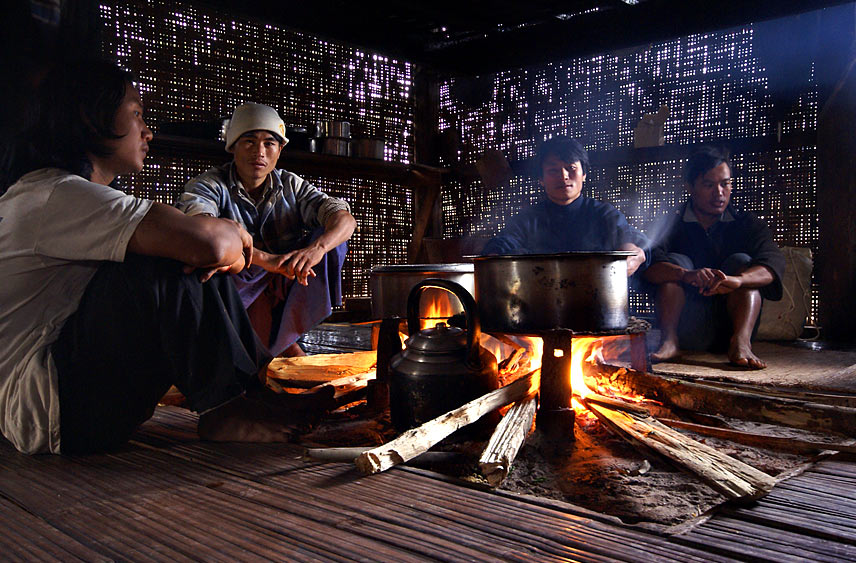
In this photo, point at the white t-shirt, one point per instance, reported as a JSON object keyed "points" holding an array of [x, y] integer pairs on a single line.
{"points": [[55, 229]]}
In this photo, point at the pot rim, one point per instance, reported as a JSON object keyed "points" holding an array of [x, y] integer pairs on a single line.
{"points": [[556, 256], [455, 267]]}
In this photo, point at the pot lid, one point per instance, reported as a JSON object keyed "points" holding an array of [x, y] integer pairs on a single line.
{"points": [[440, 339], [463, 267]]}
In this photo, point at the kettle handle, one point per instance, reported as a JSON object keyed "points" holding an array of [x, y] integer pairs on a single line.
{"points": [[459, 291]]}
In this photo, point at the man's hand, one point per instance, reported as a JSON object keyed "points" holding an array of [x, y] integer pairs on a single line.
{"points": [[723, 286], [295, 264], [703, 278], [633, 262]]}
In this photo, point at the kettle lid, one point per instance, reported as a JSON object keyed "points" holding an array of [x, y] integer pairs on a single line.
{"points": [[440, 339]]}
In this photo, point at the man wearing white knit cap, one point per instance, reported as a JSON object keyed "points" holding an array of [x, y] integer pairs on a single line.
{"points": [[299, 233]]}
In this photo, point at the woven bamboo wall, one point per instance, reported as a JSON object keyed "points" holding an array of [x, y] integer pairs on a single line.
{"points": [[196, 64], [716, 89]]}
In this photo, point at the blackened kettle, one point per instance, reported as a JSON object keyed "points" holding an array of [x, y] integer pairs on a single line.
{"points": [[441, 367]]}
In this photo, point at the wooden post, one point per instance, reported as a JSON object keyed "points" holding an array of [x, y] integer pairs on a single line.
{"points": [[388, 345], [836, 205], [555, 413], [426, 197]]}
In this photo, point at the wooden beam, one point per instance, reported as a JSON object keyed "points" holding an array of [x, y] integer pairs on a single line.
{"points": [[730, 477], [710, 399], [506, 441], [417, 440], [780, 443]]}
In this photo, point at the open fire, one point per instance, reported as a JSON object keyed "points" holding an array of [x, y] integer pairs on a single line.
{"points": [[521, 354]]}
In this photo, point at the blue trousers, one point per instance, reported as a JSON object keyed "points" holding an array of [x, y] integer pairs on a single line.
{"points": [[705, 323], [298, 307]]}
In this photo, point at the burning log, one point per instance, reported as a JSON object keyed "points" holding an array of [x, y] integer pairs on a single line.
{"points": [[732, 478], [505, 443], [512, 362], [780, 443], [417, 440], [713, 399]]}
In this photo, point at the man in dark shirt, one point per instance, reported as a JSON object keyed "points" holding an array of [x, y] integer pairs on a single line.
{"points": [[712, 264], [567, 221]]}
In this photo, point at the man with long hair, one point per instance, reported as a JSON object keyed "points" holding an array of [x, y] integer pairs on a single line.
{"points": [[98, 316]]}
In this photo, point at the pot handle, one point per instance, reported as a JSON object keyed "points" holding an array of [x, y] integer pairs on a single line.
{"points": [[470, 311]]}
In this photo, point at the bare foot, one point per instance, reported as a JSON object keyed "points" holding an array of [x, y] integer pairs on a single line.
{"points": [[264, 416], [293, 351], [740, 354], [231, 424], [668, 351]]}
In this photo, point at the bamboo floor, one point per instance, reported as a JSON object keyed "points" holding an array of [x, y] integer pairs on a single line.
{"points": [[167, 496]]}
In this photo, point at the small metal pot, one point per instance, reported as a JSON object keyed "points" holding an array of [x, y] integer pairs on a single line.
{"points": [[368, 148], [337, 146], [528, 294], [338, 129], [391, 285]]}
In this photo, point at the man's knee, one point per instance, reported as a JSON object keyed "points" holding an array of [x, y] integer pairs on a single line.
{"points": [[736, 263]]}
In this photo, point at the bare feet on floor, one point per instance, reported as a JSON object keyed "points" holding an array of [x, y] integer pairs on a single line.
{"points": [[740, 354], [668, 351], [264, 416]]}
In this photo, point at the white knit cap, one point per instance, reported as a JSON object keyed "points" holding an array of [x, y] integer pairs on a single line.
{"points": [[253, 117]]}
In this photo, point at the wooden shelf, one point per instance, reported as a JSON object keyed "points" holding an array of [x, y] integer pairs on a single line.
{"points": [[307, 163], [630, 155]]}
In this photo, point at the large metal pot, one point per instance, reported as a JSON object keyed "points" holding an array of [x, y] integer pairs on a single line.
{"points": [[390, 286], [529, 294]]}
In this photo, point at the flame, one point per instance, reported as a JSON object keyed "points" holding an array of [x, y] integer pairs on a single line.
{"points": [[439, 308], [585, 351]]}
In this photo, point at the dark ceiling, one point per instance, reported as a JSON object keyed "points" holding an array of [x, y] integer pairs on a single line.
{"points": [[474, 37]]}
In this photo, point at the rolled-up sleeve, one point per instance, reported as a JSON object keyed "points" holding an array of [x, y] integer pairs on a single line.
{"points": [[314, 206], [200, 198], [765, 252]]}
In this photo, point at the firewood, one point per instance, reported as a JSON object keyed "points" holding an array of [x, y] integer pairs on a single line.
{"points": [[417, 440], [505, 443], [700, 397], [779, 443], [730, 477], [309, 371], [349, 381]]}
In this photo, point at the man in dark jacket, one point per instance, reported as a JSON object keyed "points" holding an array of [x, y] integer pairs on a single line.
{"points": [[712, 265], [567, 221]]}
